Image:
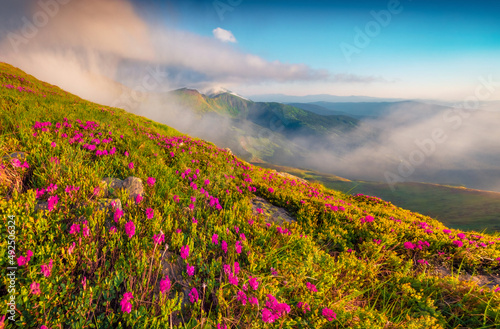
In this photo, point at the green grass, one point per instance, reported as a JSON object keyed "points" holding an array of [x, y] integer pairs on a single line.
{"points": [[456, 207], [345, 256]]}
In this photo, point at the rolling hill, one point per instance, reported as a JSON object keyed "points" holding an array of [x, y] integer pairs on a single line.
{"points": [[112, 220]]}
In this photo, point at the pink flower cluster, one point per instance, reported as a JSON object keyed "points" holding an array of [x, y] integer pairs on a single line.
{"points": [[47, 269], [125, 304], [22, 260], [17, 164], [274, 310], [165, 284]]}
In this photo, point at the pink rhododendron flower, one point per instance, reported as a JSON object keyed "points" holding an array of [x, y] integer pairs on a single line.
{"points": [[242, 297], [84, 282], [75, 229], [328, 314], [71, 248], [150, 213], [35, 288], [125, 304], [131, 165], [311, 287], [46, 269], [238, 247], [165, 284], [221, 326], [304, 306], [409, 245], [159, 238], [112, 230], [458, 243], [215, 239], [151, 181], [138, 199], [52, 202], [190, 270], [253, 301], [53, 144], [224, 246], [254, 284], [193, 295], [130, 229], [194, 220], [15, 163], [185, 252]]}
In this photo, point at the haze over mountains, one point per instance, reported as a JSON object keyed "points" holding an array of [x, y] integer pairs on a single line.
{"points": [[377, 141]]}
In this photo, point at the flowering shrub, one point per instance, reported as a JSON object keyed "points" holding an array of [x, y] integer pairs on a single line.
{"points": [[346, 261]]}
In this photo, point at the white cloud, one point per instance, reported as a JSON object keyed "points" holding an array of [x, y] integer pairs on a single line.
{"points": [[224, 35]]}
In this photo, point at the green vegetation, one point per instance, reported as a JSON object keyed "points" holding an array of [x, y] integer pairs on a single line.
{"points": [[456, 207], [191, 251]]}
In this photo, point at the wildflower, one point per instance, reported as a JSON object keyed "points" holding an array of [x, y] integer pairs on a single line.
{"points": [[21, 261], [52, 202], [423, 262], [215, 239], [185, 252], [232, 279], [224, 246], [236, 268], [130, 229], [221, 326], [158, 238], [238, 247], [273, 271], [311, 287], [243, 237], [328, 314], [207, 182], [84, 282], [112, 229], [190, 270], [131, 165], [151, 181], [242, 297], [191, 206], [150, 213], [71, 248], [126, 153], [138, 199], [194, 220], [461, 236], [267, 316], [46, 269], [39, 193], [497, 289], [53, 144], [35, 288], [304, 306], [75, 229], [126, 306], [458, 243], [193, 296], [176, 198], [165, 284], [15, 163], [409, 245], [253, 283], [446, 231], [253, 301]]}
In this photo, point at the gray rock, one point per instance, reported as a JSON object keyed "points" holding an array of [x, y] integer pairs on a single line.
{"points": [[134, 186], [110, 185], [271, 212]]}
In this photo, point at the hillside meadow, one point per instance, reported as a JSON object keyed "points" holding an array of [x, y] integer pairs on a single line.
{"points": [[187, 248]]}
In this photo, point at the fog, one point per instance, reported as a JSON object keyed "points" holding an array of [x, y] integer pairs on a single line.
{"points": [[420, 143], [105, 51]]}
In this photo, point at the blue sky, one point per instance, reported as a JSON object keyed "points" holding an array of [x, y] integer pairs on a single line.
{"points": [[425, 46], [416, 49]]}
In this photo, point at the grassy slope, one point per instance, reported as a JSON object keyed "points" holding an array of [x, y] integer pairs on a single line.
{"points": [[457, 207], [350, 248]]}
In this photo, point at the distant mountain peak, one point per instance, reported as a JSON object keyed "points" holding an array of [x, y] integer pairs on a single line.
{"points": [[216, 91]]}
